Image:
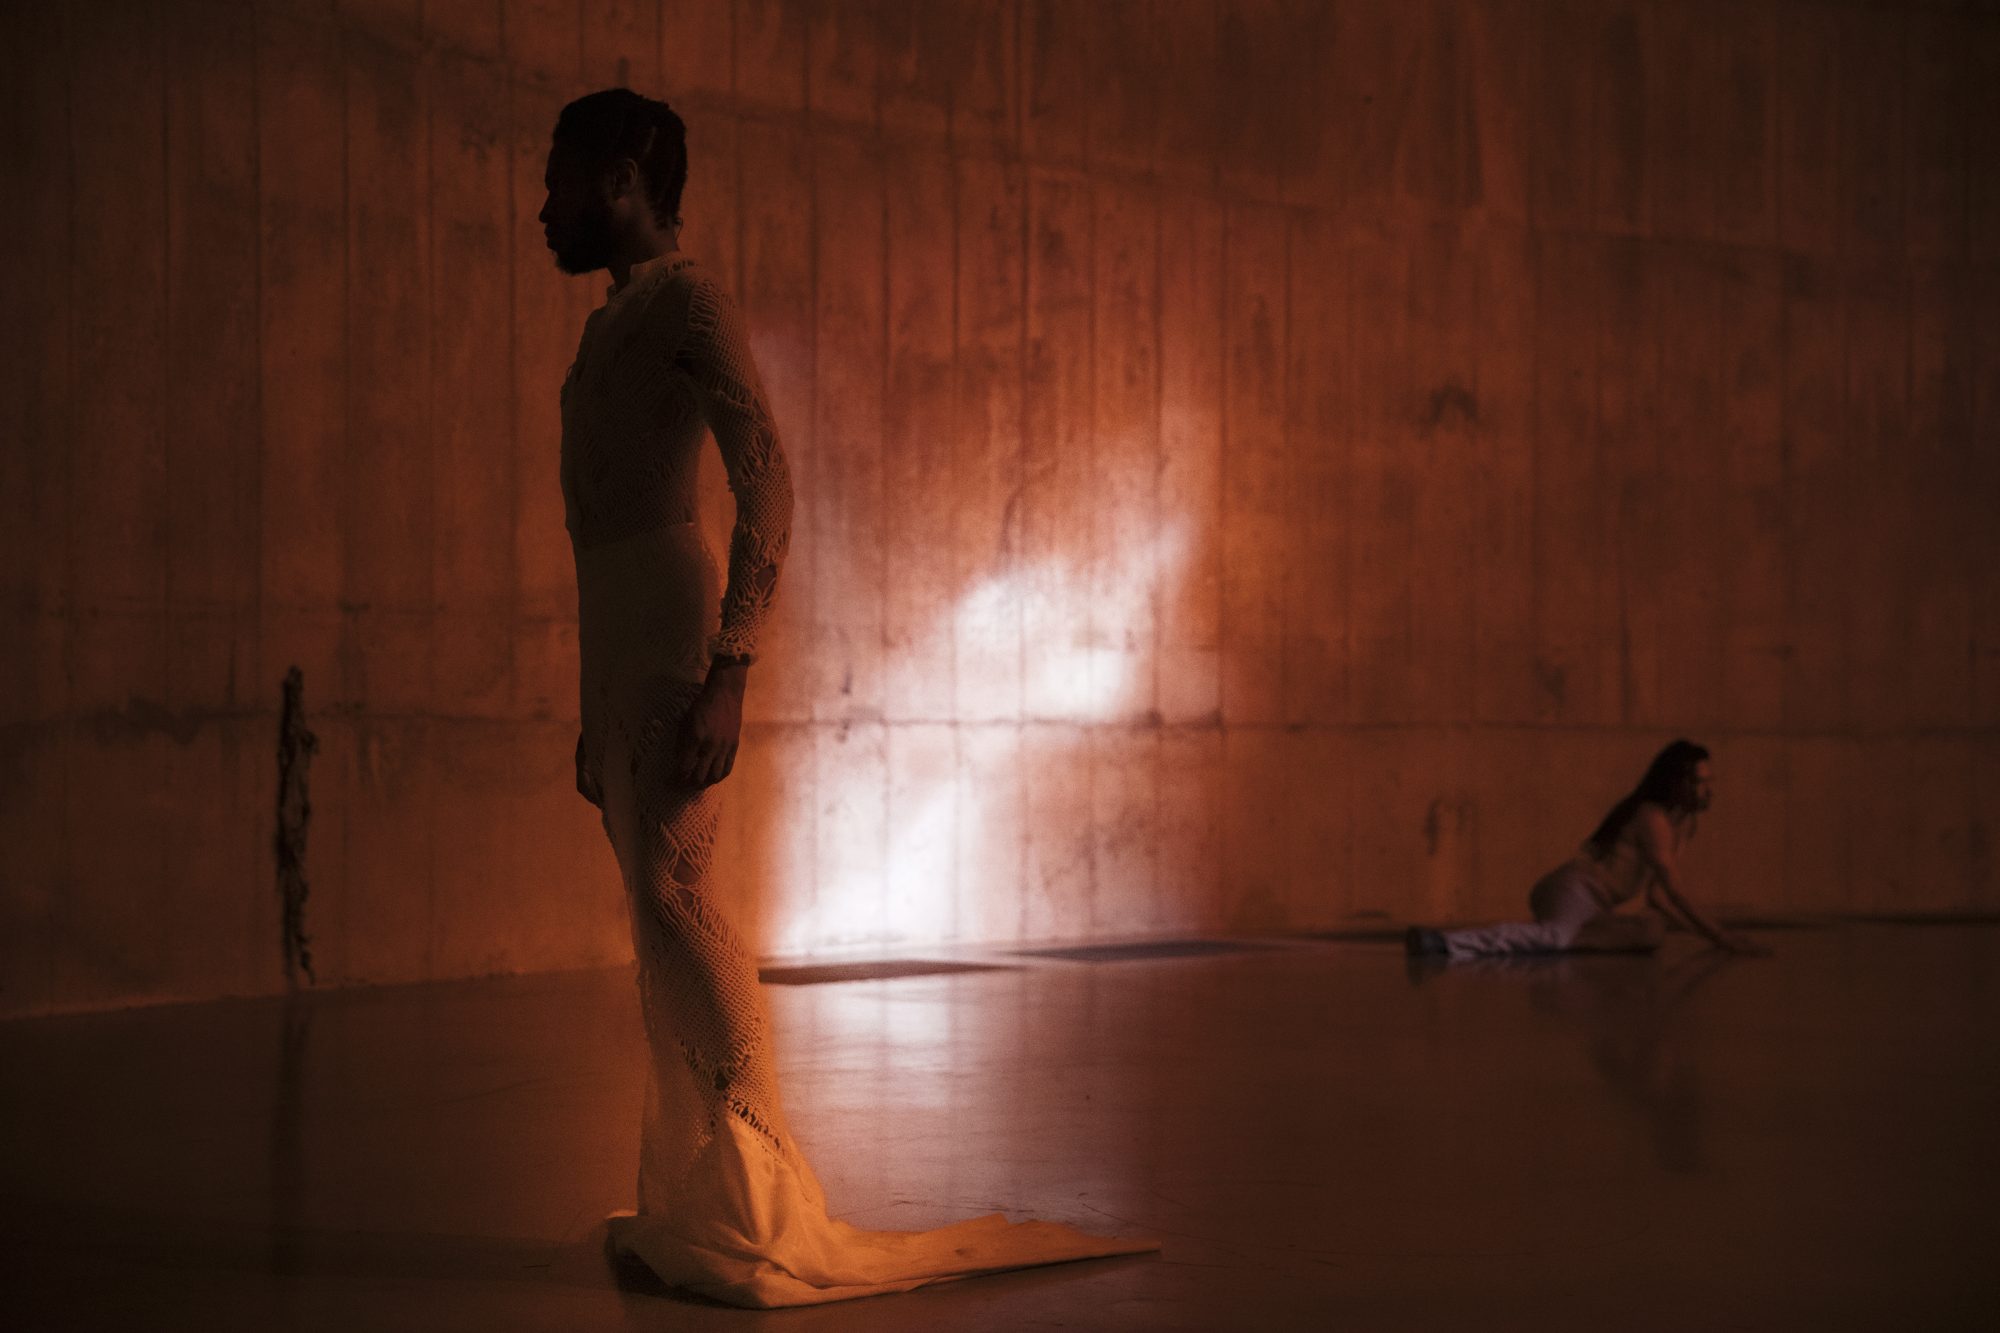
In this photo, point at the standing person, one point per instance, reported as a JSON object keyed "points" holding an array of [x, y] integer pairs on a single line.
{"points": [[1636, 847], [728, 1207]]}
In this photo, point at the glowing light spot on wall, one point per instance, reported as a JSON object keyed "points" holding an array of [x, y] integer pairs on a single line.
{"points": [[952, 820]]}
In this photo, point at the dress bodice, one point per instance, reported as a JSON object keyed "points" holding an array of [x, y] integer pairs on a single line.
{"points": [[662, 363]]}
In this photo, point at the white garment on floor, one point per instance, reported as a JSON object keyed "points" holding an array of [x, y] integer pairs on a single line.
{"points": [[728, 1207], [1562, 901]]}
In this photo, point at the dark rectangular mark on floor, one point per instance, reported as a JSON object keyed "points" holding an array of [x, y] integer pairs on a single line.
{"points": [[1364, 933], [1118, 953], [1730, 921], [813, 974], [1927, 918]]}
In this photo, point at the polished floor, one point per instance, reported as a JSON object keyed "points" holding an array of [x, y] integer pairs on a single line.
{"points": [[1325, 1137]]}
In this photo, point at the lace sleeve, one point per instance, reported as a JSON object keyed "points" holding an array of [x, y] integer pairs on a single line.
{"points": [[715, 354]]}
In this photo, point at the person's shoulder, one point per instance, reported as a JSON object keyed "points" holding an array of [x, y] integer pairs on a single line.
{"points": [[1651, 825], [689, 306], [705, 305], [1652, 814], [685, 273], [663, 289]]}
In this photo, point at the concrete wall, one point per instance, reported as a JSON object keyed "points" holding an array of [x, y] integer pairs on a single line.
{"points": [[1260, 464]]}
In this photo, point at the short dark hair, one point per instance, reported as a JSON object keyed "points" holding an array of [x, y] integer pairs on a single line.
{"points": [[603, 127], [1665, 784]]}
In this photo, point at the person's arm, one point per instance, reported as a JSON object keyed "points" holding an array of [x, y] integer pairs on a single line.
{"points": [[715, 355], [1659, 902], [1657, 847]]}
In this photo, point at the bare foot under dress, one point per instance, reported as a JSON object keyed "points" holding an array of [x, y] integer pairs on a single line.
{"points": [[728, 1207]]}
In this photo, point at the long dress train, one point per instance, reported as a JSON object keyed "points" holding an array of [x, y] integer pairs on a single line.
{"points": [[728, 1207]]}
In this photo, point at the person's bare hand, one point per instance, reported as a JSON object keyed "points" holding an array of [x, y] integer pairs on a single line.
{"points": [[589, 790], [705, 751]]}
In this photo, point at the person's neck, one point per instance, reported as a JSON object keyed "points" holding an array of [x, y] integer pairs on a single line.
{"points": [[644, 247]]}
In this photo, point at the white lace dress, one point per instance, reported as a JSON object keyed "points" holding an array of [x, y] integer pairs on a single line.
{"points": [[728, 1207]]}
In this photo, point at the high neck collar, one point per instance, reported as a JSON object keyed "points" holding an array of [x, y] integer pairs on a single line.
{"points": [[666, 259]]}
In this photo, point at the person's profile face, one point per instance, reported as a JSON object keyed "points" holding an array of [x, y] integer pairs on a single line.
{"points": [[1701, 787], [575, 217]]}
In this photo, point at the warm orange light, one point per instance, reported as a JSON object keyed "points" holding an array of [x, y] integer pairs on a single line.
{"points": [[1080, 680]]}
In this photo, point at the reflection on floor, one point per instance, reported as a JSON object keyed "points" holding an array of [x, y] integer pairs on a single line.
{"points": [[1326, 1136], [819, 974], [1144, 949]]}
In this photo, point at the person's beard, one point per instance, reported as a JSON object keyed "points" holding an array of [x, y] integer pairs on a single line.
{"points": [[586, 246]]}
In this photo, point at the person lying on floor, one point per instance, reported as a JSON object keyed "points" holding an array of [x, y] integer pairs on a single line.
{"points": [[1636, 848]]}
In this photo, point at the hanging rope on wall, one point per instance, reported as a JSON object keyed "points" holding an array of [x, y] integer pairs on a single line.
{"points": [[296, 744]]}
